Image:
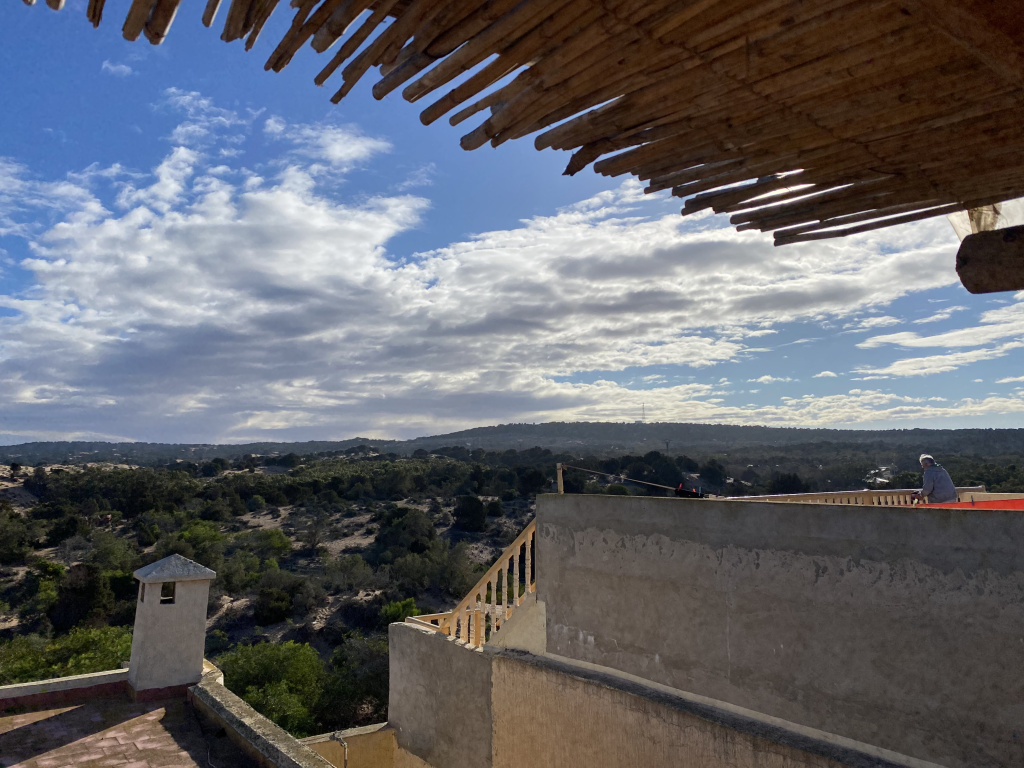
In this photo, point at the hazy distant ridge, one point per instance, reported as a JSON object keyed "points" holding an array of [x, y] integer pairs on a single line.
{"points": [[563, 437]]}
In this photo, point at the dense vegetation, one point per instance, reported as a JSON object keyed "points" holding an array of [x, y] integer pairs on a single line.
{"points": [[317, 554]]}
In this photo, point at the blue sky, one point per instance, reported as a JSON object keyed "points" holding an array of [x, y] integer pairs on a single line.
{"points": [[193, 249]]}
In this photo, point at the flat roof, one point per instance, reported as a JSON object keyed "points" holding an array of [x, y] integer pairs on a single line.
{"points": [[114, 732]]}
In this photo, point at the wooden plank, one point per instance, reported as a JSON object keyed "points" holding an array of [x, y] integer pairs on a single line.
{"points": [[989, 262]]}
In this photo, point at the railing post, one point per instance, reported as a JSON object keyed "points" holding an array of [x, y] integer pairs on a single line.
{"points": [[529, 546], [558, 473], [515, 578]]}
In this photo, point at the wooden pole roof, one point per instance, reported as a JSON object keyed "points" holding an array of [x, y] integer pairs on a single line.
{"points": [[807, 118]]}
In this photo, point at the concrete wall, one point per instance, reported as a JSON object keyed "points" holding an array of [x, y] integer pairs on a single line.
{"points": [[62, 690], [439, 699], [169, 639], [899, 628], [372, 746], [453, 707]]}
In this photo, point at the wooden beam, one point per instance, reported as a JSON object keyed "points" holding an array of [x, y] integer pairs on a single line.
{"points": [[993, 261]]}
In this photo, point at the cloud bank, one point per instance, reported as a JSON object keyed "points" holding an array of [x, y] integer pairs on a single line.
{"points": [[211, 299]]}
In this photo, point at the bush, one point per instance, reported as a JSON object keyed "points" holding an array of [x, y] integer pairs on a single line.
{"points": [[494, 509], [398, 611], [356, 691], [271, 606], [281, 682], [349, 574], [402, 531], [616, 489], [81, 651], [470, 514]]}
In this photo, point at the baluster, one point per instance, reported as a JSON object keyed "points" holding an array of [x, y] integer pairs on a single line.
{"points": [[478, 621], [492, 605], [515, 577], [529, 542]]}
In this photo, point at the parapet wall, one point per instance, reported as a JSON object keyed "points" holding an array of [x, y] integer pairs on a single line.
{"points": [[453, 706], [898, 628]]}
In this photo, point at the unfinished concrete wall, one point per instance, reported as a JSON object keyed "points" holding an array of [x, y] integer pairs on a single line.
{"points": [[899, 628], [503, 708], [439, 699]]}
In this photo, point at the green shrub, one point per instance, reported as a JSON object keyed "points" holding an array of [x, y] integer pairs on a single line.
{"points": [[81, 651], [470, 514], [271, 606], [615, 489], [494, 509], [282, 682], [398, 611]]}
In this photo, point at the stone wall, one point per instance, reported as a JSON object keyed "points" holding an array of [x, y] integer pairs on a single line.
{"points": [[899, 628]]}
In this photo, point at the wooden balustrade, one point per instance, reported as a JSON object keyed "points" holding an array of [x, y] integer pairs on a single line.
{"points": [[884, 498], [494, 598]]}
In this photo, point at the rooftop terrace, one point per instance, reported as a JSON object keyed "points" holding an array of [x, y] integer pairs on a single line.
{"points": [[113, 732]]}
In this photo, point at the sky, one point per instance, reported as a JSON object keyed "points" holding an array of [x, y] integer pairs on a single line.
{"points": [[195, 250]]}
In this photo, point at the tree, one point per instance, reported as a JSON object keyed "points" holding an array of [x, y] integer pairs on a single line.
{"points": [[282, 682], [15, 534], [470, 514], [271, 606], [398, 611], [713, 473], [84, 597], [494, 508], [80, 652], [787, 482], [356, 691]]}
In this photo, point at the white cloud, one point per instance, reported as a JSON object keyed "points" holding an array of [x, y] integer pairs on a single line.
{"points": [[766, 379], [825, 375], [340, 147], [1010, 380], [927, 366], [867, 323], [421, 177], [942, 314], [218, 301], [118, 70]]}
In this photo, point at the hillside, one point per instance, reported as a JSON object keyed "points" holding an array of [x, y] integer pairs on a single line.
{"points": [[586, 438]]}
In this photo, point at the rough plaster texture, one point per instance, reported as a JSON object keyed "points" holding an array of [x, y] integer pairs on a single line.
{"points": [[546, 712], [372, 746], [899, 628], [525, 629], [439, 701], [169, 639], [545, 716]]}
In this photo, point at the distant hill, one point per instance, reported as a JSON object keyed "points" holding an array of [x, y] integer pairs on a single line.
{"points": [[596, 438]]}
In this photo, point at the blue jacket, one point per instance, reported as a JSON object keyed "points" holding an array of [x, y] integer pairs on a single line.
{"points": [[938, 485]]}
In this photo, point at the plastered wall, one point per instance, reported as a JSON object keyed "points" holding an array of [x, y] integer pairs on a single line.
{"points": [[453, 707], [168, 641], [899, 628]]}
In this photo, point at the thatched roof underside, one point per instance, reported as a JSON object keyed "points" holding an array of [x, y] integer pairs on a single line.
{"points": [[808, 118]]}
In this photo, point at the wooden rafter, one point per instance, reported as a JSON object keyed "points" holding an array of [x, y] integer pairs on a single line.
{"points": [[807, 118]]}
